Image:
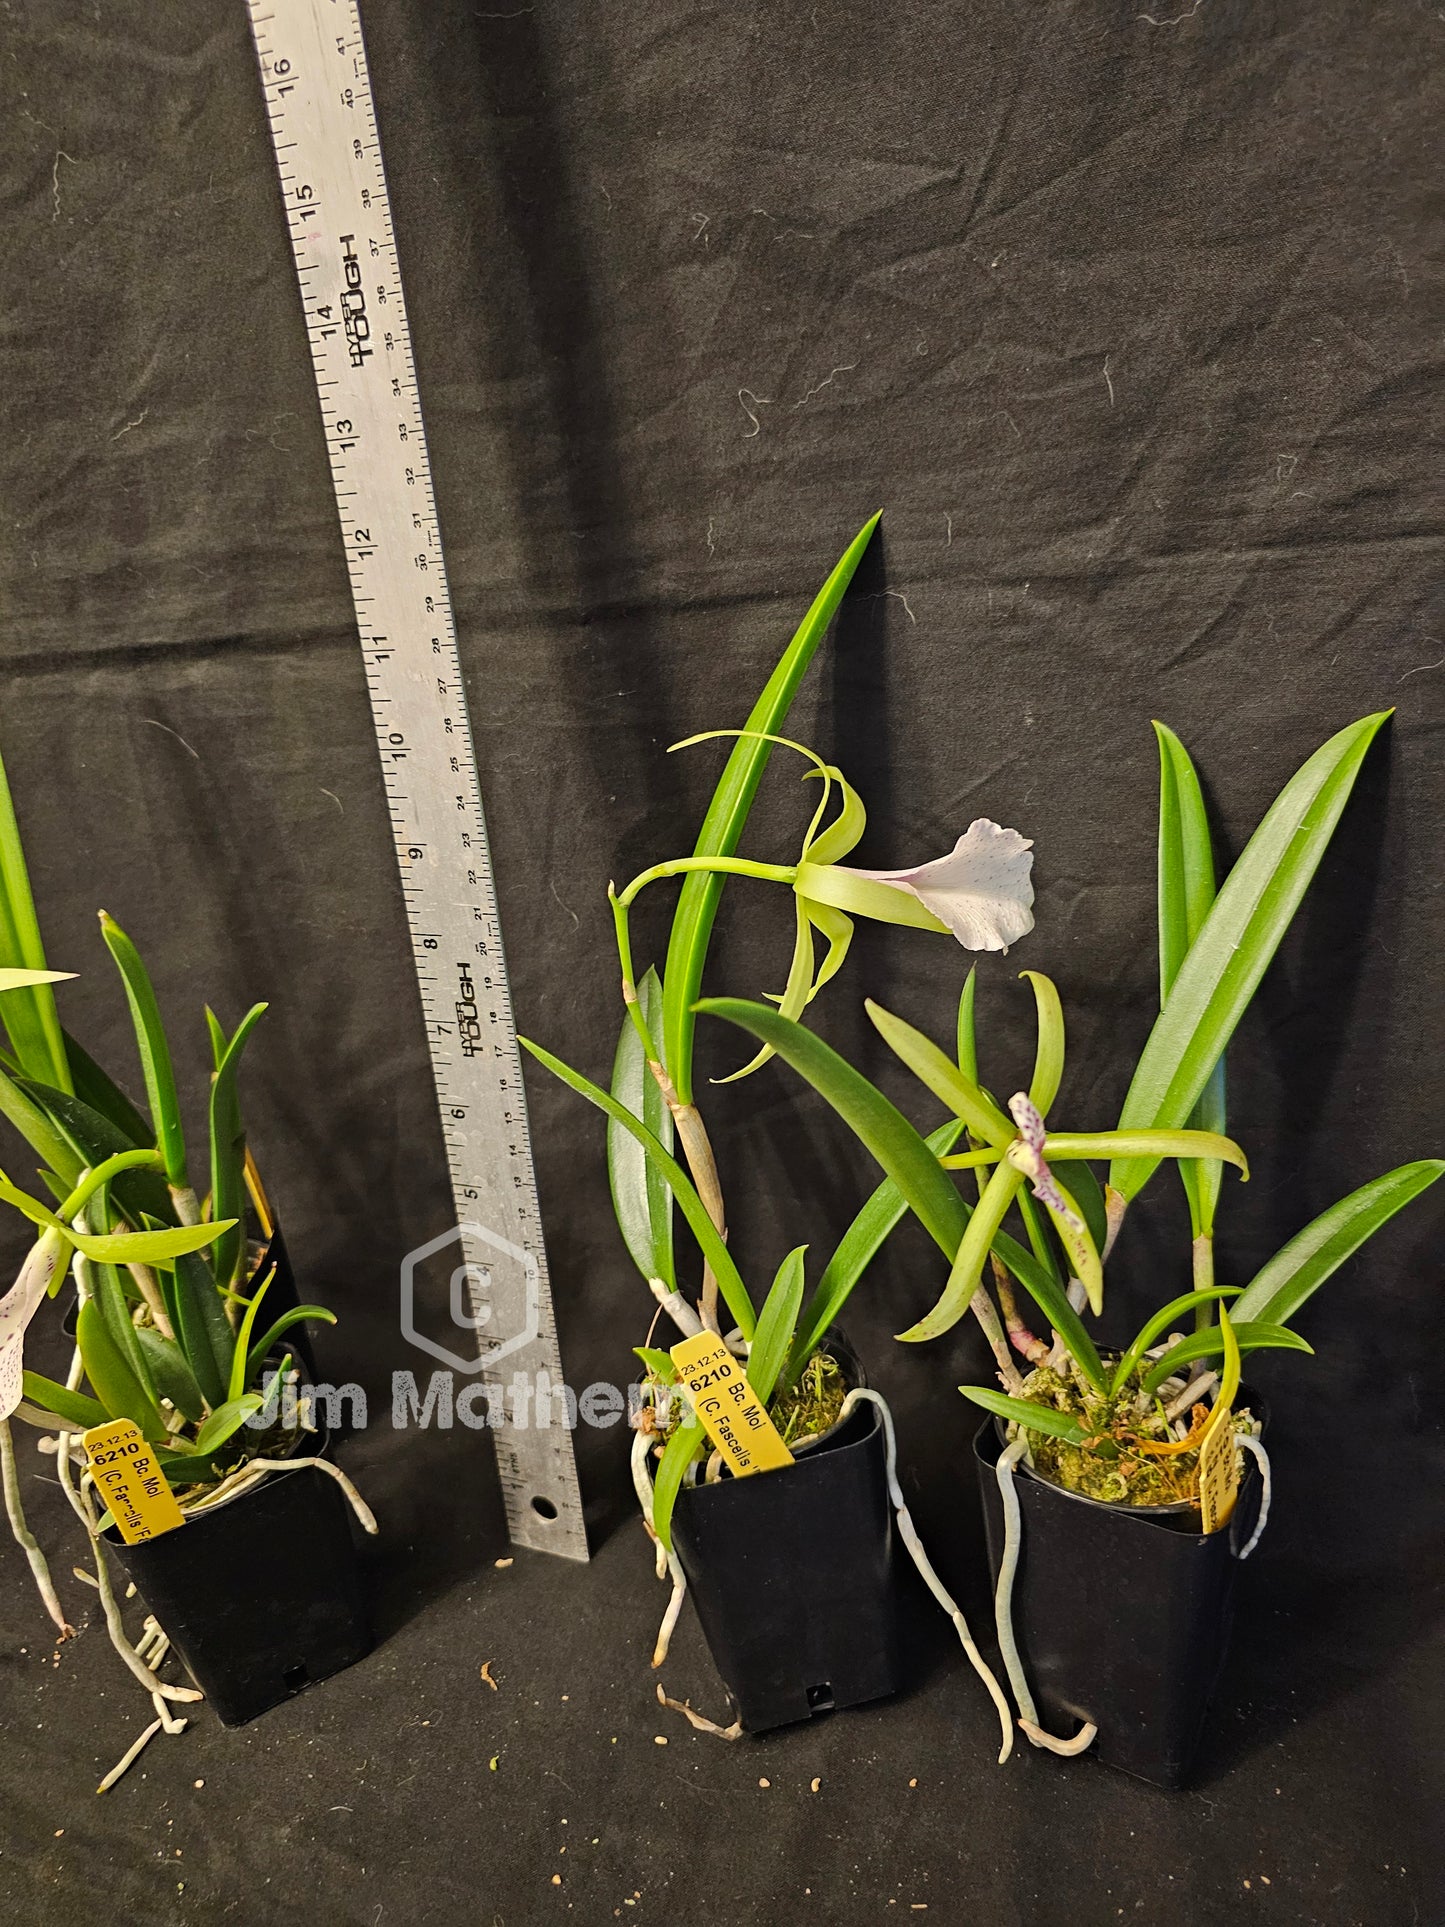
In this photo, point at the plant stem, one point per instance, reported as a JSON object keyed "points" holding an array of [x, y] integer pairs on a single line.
{"points": [[1115, 1205], [25, 1538], [151, 1292], [1203, 1260], [732, 866], [981, 1305]]}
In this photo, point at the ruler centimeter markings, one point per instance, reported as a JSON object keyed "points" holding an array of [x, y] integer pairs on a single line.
{"points": [[328, 155]]}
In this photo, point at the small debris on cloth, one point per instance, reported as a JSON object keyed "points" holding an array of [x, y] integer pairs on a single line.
{"points": [[502, 1564], [487, 1676]]}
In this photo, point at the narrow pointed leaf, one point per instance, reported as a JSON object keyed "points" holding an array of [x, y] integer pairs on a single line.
{"points": [[727, 816], [1186, 895], [111, 1377], [92, 1138], [199, 1320], [943, 1077], [170, 1375], [1088, 1195], [893, 1142], [96, 1088], [262, 1348], [963, 1279], [1159, 1324], [1280, 1287], [1049, 1056], [714, 1251], [228, 1153], [1060, 1148], [856, 1250], [29, 1014], [38, 1128], [1253, 1336], [1034, 1418], [241, 1355], [155, 1054], [967, 1035], [658, 1363], [147, 1247], [225, 1420], [677, 1455], [1236, 944], [79, 1411], [777, 1322]]}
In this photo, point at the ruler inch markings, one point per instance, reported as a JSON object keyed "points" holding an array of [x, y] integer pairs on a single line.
{"points": [[318, 101]]}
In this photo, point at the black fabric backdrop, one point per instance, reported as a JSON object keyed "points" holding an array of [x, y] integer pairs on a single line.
{"points": [[1130, 321]]}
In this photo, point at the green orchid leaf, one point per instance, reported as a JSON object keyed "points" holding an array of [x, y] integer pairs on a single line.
{"points": [[943, 1077], [110, 1295], [964, 1278], [299, 1314], [155, 1053], [640, 1197], [1034, 1418], [29, 1012], [677, 1455], [225, 1420], [1049, 1056], [97, 1089], [892, 1141], [1253, 1336], [967, 1035], [93, 1138], [1186, 896], [857, 1248], [1236, 944], [112, 1380], [31, 1208], [777, 1322], [79, 1412], [217, 1035], [148, 1247], [228, 1153], [1295, 1273], [727, 817], [170, 1375], [38, 1129], [658, 1363], [714, 1251], [1155, 1328], [241, 1355], [1156, 1144], [198, 1318], [102, 1176], [1040, 1243]]}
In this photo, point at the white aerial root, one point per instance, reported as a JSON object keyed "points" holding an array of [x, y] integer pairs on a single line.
{"points": [[1003, 1615], [25, 1538], [703, 1724], [128, 1758], [670, 1617], [255, 1470], [909, 1534], [677, 1308], [1192, 1392], [1255, 1447]]}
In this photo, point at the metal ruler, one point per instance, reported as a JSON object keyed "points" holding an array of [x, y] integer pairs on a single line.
{"points": [[318, 98]]}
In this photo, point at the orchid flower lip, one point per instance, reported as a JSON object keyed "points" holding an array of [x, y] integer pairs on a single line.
{"points": [[982, 889]]}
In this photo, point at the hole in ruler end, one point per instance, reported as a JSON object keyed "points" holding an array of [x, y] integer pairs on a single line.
{"points": [[544, 1508]]}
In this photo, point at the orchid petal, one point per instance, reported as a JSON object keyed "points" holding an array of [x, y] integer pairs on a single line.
{"points": [[982, 890], [846, 830]]}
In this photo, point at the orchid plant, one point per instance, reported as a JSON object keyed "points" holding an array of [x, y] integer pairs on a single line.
{"points": [[1125, 1427], [168, 1329], [980, 893]]}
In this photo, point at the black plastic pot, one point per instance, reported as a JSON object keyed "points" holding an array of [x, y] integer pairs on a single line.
{"points": [[792, 1574], [261, 1598], [1121, 1615]]}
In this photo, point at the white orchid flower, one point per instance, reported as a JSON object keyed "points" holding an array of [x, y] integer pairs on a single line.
{"points": [[982, 890]]}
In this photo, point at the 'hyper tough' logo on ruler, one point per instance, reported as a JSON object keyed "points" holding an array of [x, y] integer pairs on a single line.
{"points": [[353, 305]]}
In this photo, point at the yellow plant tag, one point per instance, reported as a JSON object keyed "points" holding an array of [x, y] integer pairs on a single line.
{"points": [[1218, 1470], [130, 1481], [731, 1412]]}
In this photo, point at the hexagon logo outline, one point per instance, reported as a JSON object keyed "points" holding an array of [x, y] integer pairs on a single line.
{"points": [[481, 1235]]}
